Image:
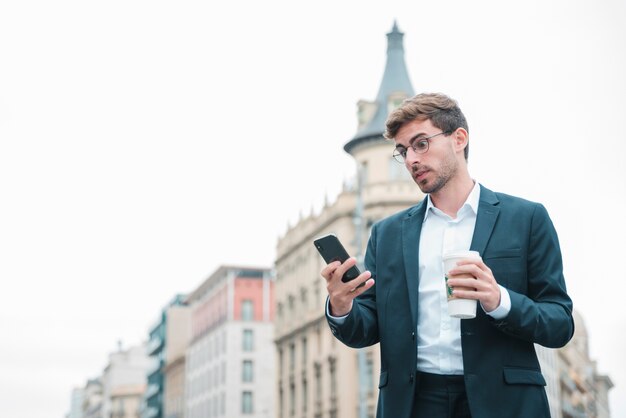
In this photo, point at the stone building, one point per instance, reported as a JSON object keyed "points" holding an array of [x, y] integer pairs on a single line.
{"points": [[315, 371], [124, 382], [583, 391]]}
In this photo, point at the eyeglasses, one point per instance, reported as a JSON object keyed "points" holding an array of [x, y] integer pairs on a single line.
{"points": [[419, 146]]}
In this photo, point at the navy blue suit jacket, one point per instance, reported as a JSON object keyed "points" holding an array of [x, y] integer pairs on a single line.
{"points": [[517, 240]]}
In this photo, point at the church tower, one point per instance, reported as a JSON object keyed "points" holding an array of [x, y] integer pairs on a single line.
{"points": [[317, 376]]}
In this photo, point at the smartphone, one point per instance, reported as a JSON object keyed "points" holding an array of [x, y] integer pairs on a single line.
{"points": [[330, 249]]}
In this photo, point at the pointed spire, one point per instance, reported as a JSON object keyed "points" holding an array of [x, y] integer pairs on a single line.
{"points": [[395, 84]]}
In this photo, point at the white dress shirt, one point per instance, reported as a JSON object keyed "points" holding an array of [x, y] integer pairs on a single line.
{"points": [[439, 335]]}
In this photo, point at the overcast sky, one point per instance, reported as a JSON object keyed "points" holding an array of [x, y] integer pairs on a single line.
{"points": [[144, 143]]}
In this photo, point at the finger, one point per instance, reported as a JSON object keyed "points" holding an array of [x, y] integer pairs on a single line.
{"points": [[468, 283], [360, 290], [471, 269], [472, 261], [341, 270], [359, 281], [330, 268], [467, 294]]}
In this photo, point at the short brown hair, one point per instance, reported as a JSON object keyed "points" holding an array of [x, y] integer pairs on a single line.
{"points": [[443, 112]]}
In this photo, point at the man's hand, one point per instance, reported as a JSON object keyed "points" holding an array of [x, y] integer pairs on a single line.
{"points": [[486, 288], [341, 294]]}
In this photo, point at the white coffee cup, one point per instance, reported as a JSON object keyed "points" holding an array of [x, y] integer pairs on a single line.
{"points": [[459, 308]]}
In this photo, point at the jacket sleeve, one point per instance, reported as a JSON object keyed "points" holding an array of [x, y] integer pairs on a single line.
{"points": [[360, 328], [544, 314]]}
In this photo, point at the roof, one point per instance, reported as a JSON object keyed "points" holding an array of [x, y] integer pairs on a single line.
{"points": [[395, 79]]}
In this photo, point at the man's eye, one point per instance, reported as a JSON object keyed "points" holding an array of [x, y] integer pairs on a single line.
{"points": [[401, 151], [420, 145]]}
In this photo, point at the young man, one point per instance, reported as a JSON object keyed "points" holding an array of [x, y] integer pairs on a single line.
{"points": [[433, 365]]}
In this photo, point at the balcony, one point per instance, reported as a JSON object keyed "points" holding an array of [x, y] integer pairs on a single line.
{"points": [[154, 367], [571, 411], [154, 345], [568, 382], [152, 391], [150, 412]]}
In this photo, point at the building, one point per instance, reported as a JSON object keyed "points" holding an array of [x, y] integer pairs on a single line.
{"points": [[230, 359], [317, 375], [162, 333], [124, 382], [584, 392], [92, 400], [76, 403], [550, 368], [178, 335]]}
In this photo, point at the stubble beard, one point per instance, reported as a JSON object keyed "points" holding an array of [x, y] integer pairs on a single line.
{"points": [[448, 170]]}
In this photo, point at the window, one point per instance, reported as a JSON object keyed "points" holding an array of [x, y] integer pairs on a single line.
{"points": [[292, 400], [303, 299], [318, 385], [369, 374], [304, 351], [305, 396], [247, 310], [248, 340], [292, 356], [247, 372], [333, 376], [247, 406]]}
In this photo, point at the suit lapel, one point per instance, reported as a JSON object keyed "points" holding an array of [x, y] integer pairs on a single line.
{"points": [[411, 231], [485, 219]]}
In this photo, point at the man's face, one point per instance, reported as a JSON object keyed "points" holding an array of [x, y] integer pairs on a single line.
{"points": [[433, 169]]}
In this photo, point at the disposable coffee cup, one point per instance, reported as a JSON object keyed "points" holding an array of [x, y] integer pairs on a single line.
{"points": [[457, 307]]}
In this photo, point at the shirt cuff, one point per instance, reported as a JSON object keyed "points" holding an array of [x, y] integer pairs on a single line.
{"points": [[505, 305], [337, 319]]}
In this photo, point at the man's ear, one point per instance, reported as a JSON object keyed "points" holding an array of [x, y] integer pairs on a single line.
{"points": [[461, 139]]}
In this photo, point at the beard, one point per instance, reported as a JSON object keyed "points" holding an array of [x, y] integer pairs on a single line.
{"points": [[446, 172]]}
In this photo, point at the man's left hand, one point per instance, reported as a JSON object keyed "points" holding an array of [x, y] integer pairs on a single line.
{"points": [[486, 288]]}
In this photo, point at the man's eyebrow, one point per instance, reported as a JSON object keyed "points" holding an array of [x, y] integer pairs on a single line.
{"points": [[416, 137]]}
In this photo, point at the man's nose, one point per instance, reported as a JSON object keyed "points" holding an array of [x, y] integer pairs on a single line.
{"points": [[412, 157]]}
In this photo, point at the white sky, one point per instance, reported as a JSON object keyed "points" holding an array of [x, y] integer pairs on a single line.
{"points": [[144, 143]]}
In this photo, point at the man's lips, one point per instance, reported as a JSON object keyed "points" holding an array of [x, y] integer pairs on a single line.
{"points": [[418, 174]]}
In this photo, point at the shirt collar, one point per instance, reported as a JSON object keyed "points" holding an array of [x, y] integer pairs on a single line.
{"points": [[471, 202]]}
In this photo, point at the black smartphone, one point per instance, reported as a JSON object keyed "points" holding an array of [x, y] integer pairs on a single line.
{"points": [[330, 249]]}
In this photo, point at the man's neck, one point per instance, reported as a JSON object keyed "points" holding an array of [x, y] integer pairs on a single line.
{"points": [[453, 195]]}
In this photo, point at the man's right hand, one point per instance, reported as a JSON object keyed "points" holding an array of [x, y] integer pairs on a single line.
{"points": [[342, 294]]}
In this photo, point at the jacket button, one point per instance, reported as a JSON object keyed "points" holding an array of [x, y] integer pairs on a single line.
{"points": [[413, 335], [411, 378]]}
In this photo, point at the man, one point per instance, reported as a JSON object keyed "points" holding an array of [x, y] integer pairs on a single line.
{"points": [[433, 365]]}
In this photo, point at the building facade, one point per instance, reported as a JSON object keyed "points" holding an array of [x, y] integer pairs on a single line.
{"points": [[584, 391], [93, 399], [318, 377], [76, 403], [124, 382], [157, 349], [178, 336], [230, 359]]}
